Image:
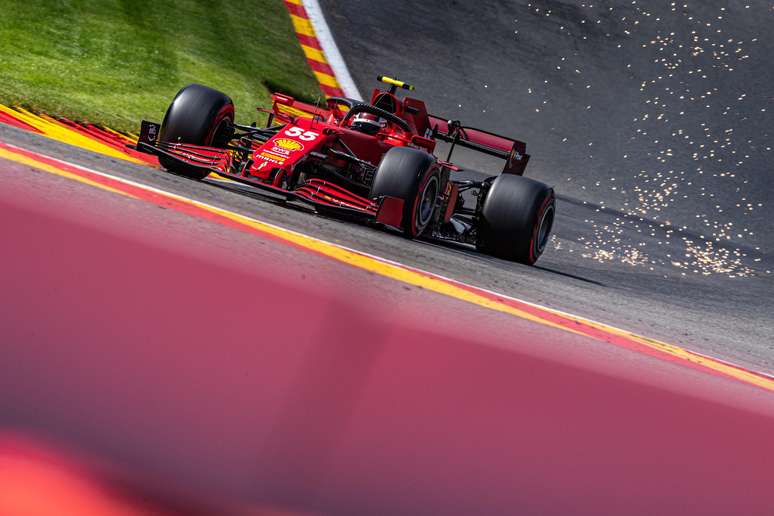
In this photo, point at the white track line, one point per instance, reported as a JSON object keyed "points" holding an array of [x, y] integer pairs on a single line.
{"points": [[331, 50]]}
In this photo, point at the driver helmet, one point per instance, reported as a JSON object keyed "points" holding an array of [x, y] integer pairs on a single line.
{"points": [[366, 123]]}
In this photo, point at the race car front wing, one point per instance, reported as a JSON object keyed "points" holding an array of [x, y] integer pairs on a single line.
{"points": [[314, 191]]}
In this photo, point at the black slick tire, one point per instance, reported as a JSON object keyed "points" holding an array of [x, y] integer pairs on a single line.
{"points": [[516, 219], [200, 116], [412, 176]]}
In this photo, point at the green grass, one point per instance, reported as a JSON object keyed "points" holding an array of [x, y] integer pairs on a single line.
{"points": [[117, 61]]}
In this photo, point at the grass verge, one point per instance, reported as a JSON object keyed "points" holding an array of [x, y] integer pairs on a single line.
{"points": [[117, 61]]}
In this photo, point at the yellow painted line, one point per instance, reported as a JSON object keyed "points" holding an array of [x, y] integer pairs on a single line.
{"points": [[124, 137], [313, 54], [324, 78], [302, 25], [24, 160], [55, 130], [371, 264], [417, 278], [714, 364]]}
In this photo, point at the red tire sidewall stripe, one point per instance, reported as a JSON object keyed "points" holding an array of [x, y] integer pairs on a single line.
{"points": [[535, 230], [428, 174]]}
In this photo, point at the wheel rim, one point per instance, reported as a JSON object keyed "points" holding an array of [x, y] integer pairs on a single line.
{"points": [[221, 134], [544, 230], [426, 204]]}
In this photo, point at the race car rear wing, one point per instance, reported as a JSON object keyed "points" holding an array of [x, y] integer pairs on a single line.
{"points": [[512, 151]]}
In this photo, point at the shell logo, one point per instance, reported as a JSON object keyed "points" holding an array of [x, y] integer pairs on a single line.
{"points": [[291, 145]]}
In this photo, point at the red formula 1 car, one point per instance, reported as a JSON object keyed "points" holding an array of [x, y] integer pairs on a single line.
{"points": [[373, 160]]}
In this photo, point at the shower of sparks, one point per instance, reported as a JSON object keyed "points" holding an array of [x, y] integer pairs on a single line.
{"points": [[660, 124]]}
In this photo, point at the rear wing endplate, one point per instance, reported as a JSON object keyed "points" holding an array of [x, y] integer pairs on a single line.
{"points": [[512, 151]]}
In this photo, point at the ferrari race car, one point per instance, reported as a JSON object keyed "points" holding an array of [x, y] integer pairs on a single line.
{"points": [[371, 160]]}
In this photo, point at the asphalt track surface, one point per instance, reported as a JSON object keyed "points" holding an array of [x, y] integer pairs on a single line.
{"points": [[652, 121], [148, 342]]}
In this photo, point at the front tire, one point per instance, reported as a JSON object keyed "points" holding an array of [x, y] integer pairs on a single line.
{"points": [[516, 219], [200, 116], [412, 176]]}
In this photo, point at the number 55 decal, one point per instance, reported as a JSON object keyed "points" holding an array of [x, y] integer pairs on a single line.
{"points": [[297, 132]]}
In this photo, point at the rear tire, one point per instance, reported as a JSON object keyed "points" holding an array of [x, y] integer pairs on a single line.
{"points": [[516, 219], [412, 176], [198, 115]]}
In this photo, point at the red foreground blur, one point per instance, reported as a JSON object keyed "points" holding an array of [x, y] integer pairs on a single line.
{"points": [[169, 358]]}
